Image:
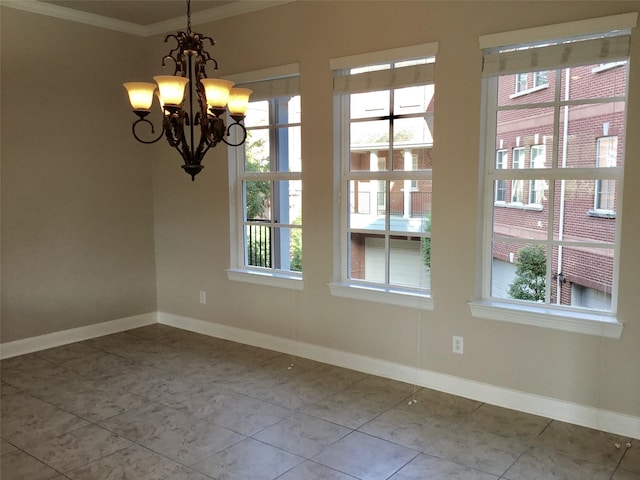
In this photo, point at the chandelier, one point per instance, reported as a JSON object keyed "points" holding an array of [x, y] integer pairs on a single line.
{"points": [[201, 107]]}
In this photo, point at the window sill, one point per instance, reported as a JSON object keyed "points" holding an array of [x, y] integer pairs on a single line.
{"points": [[536, 207], [602, 213], [390, 295], [569, 321], [529, 90], [271, 279]]}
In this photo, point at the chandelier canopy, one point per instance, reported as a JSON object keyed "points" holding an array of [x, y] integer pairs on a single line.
{"points": [[202, 106]]}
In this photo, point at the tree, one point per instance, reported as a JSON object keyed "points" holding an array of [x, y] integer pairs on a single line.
{"points": [[531, 271], [258, 192], [296, 248], [426, 242]]}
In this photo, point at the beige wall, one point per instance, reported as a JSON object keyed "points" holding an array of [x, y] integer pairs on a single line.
{"points": [[192, 224], [77, 221]]}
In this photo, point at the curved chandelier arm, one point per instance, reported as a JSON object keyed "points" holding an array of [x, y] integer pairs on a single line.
{"points": [[135, 135], [241, 140]]}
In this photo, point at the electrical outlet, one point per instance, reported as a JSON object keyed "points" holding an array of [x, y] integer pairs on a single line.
{"points": [[203, 297], [458, 345]]}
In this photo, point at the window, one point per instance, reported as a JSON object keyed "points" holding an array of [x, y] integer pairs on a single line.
{"points": [[266, 186], [501, 185], [540, 79], [517, 185], [545, 266], [537, 187], [607, 156], [384, 112], [521, 82]]}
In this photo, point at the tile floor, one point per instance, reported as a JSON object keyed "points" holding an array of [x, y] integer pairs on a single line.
{"points": [[158, 403]]}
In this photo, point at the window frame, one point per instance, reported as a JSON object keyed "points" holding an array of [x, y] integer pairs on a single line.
{"points": [[597, 323], [342, 285], [239, 270]]}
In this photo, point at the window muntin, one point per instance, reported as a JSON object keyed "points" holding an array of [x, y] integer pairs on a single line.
{"points": [[269, 179], [386, 164], [578, 248]]}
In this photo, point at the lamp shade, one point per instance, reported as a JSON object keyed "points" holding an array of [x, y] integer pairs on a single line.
{"points": [[238, 100], [140, 95], [216, 91], [171, 88]]}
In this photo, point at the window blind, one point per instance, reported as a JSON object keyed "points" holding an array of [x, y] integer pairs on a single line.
{"points": [[420, 74], [271, 82], [561, 55]]}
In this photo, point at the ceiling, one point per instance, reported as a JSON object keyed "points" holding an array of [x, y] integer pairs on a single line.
{"points": [[141, 17], [141, 12]]}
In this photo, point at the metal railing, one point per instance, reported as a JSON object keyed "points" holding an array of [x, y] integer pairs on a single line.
{"points": [[258, 243]]}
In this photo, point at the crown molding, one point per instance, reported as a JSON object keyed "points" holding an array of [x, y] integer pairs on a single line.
{"points": [[204, 16], [211, 15]]}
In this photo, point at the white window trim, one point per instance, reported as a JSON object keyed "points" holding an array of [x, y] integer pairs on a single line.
{"points": [[272, 279], [237, 271], [608, 66], [569, 321], [604, 324], [382, 294], [521, 93]]}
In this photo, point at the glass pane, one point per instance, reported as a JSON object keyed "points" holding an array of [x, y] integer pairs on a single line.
{"points": [[370, 104], [287, 202], [372, 135], [575, 215], [595, 81], [413, 159], [407, 266], [258, 245], [412, 132], [367, 257], [413, 99], [531, 87], [372, 160], [257, 114], [519, 222], [295, 250], [289, 155], [367, 204], [294, 110], [519, 130], [287, 249], [578, 138], [583, 276], [410, 205], [500, 191], [257, 200], [519, 271], [256, 151]]}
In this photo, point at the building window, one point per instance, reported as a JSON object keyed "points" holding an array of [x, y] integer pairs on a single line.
{"points": [[558, 248], [267, 185], [517, 185], [521, 82], [606, 157], [501, 185], [384, 111], [540, 79], [537, 187]]}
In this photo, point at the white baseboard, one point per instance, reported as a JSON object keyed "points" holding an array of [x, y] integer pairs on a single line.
{"points": [[577, 414], [64, 337]]}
